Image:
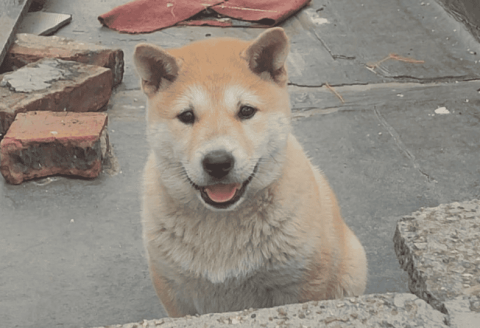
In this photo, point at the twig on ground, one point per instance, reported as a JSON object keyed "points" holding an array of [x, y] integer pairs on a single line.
{"points": [[335, 93], [396, 57]]}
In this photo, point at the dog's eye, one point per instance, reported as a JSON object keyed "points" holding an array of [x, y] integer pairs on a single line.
{"points": [[186, 117], [246, 112]]}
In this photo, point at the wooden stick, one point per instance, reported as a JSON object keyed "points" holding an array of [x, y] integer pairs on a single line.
{"points": [[335, 93], [396, 57]]}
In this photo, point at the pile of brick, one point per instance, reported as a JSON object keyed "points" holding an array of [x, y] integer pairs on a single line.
{"points": [[48, 85]]}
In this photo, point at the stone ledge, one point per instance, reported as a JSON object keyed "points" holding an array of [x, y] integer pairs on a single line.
{"points": [[382, 310], [440, 249]]}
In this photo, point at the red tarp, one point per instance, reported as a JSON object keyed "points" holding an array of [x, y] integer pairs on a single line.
{"points": [[143, 16]]}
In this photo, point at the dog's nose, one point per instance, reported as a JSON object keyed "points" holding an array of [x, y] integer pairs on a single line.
{"points": [[218, 163]]}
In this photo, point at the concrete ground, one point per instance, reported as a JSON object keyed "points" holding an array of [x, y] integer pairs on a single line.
{"points": [[70, 250]]}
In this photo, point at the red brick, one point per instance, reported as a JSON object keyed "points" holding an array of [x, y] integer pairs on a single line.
{"points": [[53, 85], [29, 48], [40, 144]]}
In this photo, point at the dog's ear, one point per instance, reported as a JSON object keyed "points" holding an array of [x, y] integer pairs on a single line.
{"points": [[156, 67], [267, 54]]}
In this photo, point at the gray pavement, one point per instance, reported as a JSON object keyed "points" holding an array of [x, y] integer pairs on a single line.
{"points": [[70, 250]]}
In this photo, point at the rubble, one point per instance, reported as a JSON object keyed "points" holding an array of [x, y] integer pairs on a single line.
{"points": [[40, 144], [29, 48], [53, 85]]}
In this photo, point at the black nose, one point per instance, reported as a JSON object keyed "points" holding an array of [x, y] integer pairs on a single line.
{"points": [[218, 163]]}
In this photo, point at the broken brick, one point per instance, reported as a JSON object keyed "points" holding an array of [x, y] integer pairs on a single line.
{"points": [[40, 144], [53, 85], [29, 48]]}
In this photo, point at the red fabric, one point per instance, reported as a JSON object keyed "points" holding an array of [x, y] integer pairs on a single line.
{"points": [[141, 16], [256, 10]]}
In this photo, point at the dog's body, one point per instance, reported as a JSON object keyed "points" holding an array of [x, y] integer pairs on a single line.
{"points": [[235, 216]]}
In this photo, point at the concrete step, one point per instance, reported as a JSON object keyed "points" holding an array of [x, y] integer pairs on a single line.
{"points": [[385, 310]]}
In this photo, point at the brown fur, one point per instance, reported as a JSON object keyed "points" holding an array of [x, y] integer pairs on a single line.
{"points": [[284, 241]]}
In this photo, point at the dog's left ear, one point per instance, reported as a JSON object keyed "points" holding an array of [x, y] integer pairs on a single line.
{"points": [[267, 54]]}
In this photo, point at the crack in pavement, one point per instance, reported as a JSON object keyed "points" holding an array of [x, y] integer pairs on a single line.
{"points": [[308, 24], [332, 85], [398, 141], [446, 79], [334, 56], [406, 78]]}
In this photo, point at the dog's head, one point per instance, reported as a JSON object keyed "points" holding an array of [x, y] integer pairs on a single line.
{"points": [[218, 115]]}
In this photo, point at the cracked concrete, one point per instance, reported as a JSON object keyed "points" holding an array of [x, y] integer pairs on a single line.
{"points": [[386, 310], [401, 146], [440, 249], [70, 250]]}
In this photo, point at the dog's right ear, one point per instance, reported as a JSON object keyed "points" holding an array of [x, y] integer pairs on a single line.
{"points": [[156, 67], [267, 54]]}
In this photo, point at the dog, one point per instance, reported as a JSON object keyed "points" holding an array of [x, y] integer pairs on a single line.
{"points": [[235, 216]]}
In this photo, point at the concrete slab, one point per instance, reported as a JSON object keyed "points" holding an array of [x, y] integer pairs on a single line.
{"points": [[311, 64], [11, 14], [41, 23], [368, 31], [465, 11], [382, 150], [439, 248], [313, 100], [386, 310]]}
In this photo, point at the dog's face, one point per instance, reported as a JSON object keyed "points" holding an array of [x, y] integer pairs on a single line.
{"points": [[218, 116]]}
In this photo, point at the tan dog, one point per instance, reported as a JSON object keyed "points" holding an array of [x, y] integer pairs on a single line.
{"points": [[234, 214]]}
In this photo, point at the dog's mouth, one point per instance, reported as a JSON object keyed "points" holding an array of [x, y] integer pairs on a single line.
{"points": [[222, 196], [221, 193]]}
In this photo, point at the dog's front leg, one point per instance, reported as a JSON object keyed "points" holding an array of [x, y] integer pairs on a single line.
{"points": [[166, 294]]}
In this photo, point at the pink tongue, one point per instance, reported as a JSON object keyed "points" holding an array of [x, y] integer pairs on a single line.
{"points": [[221, 193]]}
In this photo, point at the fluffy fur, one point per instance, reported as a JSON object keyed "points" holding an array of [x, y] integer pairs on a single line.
{"points": [[283, 240]]}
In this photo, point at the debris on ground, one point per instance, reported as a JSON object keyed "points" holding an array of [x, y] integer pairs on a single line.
{"points": [[43, 23], [442, 111], [53, 85], [40, 144], [329, 87], [46, 87], [395, 57], [29, 48]]}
